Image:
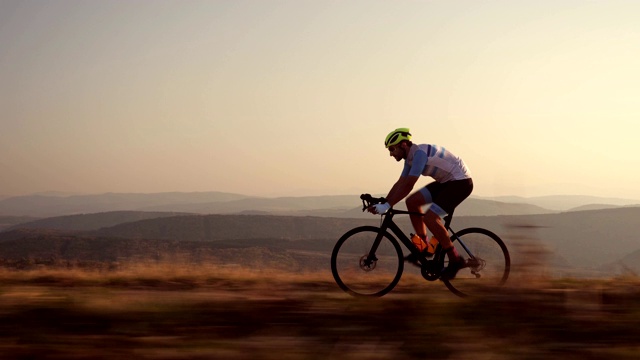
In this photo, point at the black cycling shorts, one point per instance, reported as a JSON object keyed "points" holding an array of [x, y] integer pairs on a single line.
{"points": [[447, 196]]}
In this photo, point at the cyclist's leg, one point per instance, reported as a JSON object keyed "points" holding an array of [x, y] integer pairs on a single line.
{"points": [[433, 219], [446, 197], [415, 202], [434, 215]]}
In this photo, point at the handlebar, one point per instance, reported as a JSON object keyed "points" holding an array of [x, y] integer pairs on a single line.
{"points": [[368, 200]]}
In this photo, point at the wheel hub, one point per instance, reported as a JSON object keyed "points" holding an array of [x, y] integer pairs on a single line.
{"points": [[368, 263]]}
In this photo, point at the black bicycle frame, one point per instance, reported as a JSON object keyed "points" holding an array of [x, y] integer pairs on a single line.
{"points": [[389, 224]]}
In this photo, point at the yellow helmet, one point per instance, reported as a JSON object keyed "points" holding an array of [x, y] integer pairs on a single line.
{"points": [[396, 136]]}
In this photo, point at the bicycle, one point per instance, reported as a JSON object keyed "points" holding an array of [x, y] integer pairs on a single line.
{"points": [[368, 261]]}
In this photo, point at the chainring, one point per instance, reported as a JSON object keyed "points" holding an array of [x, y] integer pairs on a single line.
{"points": [[430, 270]]}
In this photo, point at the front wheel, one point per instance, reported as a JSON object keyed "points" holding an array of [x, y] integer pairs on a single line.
{"points": [[359, 270], [488, 262]]}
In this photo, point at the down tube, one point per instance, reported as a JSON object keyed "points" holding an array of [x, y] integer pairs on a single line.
{"points": [[378, 240]]}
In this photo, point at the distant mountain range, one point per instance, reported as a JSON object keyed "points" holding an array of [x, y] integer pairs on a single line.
{"points": [[344, 206], [569, 202], [48, 205]]}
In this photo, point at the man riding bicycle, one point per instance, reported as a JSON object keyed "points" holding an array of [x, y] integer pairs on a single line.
{"points": [[452, 185]]}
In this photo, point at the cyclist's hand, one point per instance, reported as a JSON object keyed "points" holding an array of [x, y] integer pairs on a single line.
{"points": [[379, 208]]}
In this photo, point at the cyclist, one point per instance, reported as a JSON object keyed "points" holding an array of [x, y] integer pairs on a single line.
{"points": [[452, 185]]}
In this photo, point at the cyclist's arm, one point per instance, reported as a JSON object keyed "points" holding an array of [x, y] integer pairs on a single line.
{"points": [[401, 189], [408, 178]]}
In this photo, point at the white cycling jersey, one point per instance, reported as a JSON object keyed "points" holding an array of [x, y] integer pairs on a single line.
{"points": [[436, 162]]}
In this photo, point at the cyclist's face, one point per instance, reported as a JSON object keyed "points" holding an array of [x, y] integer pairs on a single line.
{"points": [[397, 152]]}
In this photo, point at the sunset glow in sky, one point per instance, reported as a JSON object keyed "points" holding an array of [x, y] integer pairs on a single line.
{"points": [[295, 97]]}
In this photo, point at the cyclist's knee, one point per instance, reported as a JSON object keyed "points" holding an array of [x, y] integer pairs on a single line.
{"points": [[414, 202], [432, 219]]}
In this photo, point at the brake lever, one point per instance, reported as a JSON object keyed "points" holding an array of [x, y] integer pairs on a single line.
{"points": [[365, 205], [365, 201]]}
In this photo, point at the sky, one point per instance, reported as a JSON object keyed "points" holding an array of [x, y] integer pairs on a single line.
{"points": [[295, 98]]}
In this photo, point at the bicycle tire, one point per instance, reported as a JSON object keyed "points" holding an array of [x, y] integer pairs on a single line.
{"points": [[489, 271], [356, 278]]}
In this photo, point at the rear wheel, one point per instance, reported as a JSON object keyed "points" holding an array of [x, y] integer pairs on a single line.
{"points": [[488, 262], [360, 272]]}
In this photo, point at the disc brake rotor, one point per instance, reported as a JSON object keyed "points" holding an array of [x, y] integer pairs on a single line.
{"points": [[368, 264]]}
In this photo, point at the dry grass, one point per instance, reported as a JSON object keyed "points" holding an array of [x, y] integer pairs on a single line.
{"points": [[178, 311]]}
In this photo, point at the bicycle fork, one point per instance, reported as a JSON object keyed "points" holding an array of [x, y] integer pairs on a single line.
{"points": [[369, 261]]}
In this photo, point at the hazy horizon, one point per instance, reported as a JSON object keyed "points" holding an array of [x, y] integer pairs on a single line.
{"points": [[290, 98], [628, 201]]}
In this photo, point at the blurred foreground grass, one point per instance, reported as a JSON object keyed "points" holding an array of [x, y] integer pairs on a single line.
{"points": [[152, 311]]}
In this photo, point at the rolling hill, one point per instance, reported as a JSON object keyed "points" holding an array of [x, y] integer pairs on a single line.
{"points": [[582, 240], [86, 222], [9, 221], [232, 227]]}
